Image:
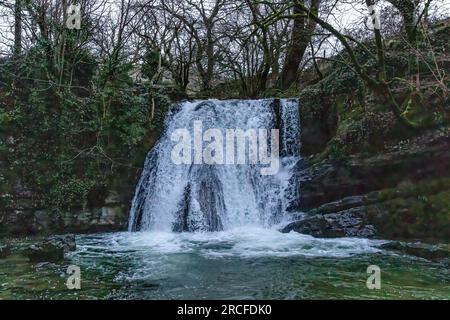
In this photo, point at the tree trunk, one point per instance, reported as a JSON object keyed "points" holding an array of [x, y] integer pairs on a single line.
{"points": [[17, 50], [301, 34], [407, 9], [17, 29]]}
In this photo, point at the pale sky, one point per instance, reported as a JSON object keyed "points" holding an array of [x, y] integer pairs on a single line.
{"points": [[345, 15]]}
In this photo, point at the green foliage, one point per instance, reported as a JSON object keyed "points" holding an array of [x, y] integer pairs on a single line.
{"points": [[151, 62], [73, 139], [336, 152], [340, 80], [424, 215]]}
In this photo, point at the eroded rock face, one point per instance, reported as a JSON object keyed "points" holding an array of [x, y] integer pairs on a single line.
{"points": [[409, 211], [102, 219], [51, 249], [401, 194], [210, 198], [207, 192], [182, 223]]}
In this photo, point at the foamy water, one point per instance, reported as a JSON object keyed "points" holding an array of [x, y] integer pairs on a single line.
{"points": [[247, 263], [245, 242]]}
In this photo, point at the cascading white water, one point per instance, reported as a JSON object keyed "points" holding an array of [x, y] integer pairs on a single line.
{"points": [[201, 197], [246, 257]]}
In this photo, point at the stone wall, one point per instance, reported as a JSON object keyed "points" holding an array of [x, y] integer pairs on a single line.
{"points": [[22, 215]]}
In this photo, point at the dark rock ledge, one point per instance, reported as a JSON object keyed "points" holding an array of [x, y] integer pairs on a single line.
{"points": [[347, 223], [51, 249]]}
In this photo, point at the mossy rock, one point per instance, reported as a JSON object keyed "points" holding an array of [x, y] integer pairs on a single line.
{"points": [[5, 250], [425, 217]]}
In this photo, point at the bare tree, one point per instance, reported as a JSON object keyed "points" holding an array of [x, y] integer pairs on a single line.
{"points": [[302, 32], [200, 20]]}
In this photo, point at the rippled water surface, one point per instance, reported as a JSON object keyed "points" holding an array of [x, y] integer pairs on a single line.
{"points": [[246, 263]]}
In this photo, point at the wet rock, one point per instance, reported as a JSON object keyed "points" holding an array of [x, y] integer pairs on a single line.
{"points": [[202, 205], [211, 202], [181, 223], [44, 252], [316, 226], [276, 105], [207, 194], [5, 250], [341, 205], [143, 191], [367, 231], [324, 181], [206, 105], [431, 252], [349, 223], [51, 249], [352, 223]]}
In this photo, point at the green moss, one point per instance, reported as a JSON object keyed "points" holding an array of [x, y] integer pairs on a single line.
{"points": [[68, 146], [421, 188], [418, 214]]}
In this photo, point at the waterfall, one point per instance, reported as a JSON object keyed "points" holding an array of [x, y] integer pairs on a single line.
{"points": [[213, 197]]}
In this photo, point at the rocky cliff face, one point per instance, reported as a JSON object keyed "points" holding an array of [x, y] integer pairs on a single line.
{"points": [[402, 193]]}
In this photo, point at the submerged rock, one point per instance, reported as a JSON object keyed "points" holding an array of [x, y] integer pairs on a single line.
{"points": [[181, 222], [324, 181], [5, 250], [66, 241], [51, 249], [315, 226], [44, 252], [427, 251]]}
